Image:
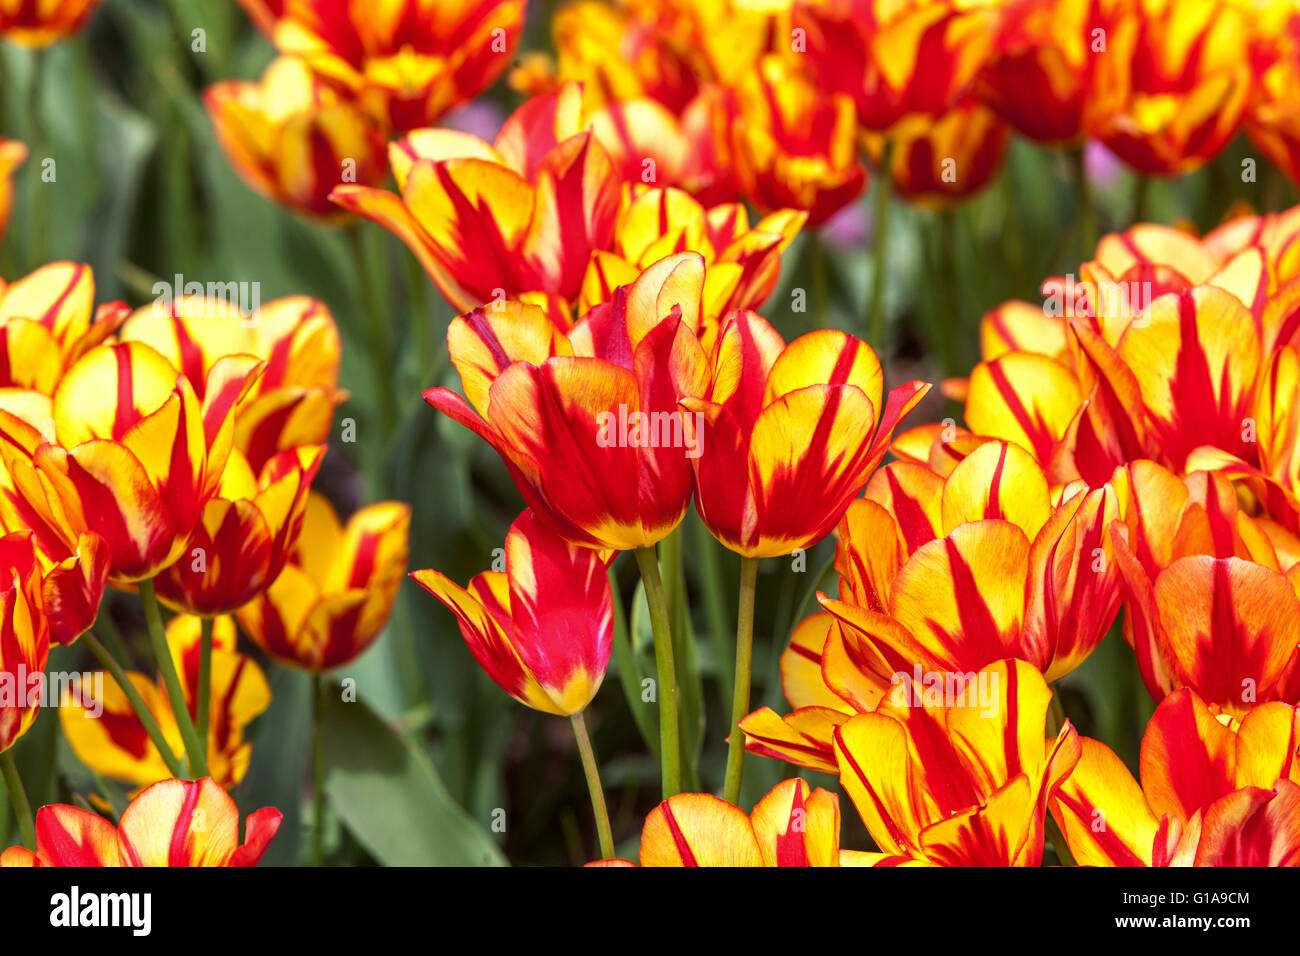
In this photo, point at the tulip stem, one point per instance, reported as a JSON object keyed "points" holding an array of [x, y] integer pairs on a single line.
{"points": [[669, 742], [317, 771], [175, 692], [817, 273], [740, 692], [592, 771], [18, 796], [380, 345], [205, 685], [879, 240], [1087, 212], [142, 711], [1141, 196]]}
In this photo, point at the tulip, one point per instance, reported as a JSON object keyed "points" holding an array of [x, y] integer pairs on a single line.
{"points": [[135, 457], [293, 138], [292, 403], [407, 62], [158, 828], [963, 783], [939, 162], [245, 535], [793, 825], [38, 23], [335, 592], [1272, 126], [24, 637], [47, 321], [116, 744], [12, 155], [1215, 791]]}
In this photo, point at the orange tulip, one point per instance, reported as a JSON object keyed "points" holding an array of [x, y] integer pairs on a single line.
{"points": [[293, 138], [38, 23], [157, 829], [335, 593], [790, 435], [588, 423], [107, 736], [936, 163], [1216, 791], [542, 628], [24, 637], [1273, 126], [12, 155], [407, 62]]}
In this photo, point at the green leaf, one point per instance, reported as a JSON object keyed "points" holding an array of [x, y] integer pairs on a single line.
{"points": [[390, 797]]}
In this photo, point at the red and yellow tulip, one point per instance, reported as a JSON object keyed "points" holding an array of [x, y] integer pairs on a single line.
{"points": [[407, 62], [173, 823], [115, 743], [24, 637], [938, 162], [38, 23], [1215, 791], [542, 628], [334, 594], [791, 434], [292, 137], [588, 423]]}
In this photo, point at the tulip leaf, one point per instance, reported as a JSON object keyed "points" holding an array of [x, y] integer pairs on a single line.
{"points": [[388, 794]]}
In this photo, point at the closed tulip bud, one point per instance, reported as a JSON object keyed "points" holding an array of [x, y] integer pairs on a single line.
{"points": [[334, 595], [293, 138], [542, 628], [156, 829]]}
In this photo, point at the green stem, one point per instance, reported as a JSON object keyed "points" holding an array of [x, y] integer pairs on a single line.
{"points": [[39, 227], [318, 771], [203, 706], [18, 796], [175, 692], [880, 239], [707, 547], [669, 742], [740, 690], [142, 711], [1087, 212], [817, 270], [380, 345], [1141, 196], [593, 786]]}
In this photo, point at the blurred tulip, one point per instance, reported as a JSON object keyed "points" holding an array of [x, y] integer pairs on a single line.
{"points": [[134, 456], [935, 163], [12, 155], [1190, 84], [107, 736], [24, 638], [790, 434], [157, 829], [292, 403], [543, 628], [293, 138], [48, 320], [793, 825], [794, 148], [38, 23], [244, 538], [1216, 791], [1272, 123], [961, 784], [588, 424], [407, 62], [334, 595], [494, 221]]}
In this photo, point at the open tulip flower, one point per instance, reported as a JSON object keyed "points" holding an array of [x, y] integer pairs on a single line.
{"points": [[542, 628], [791, 433], [292, 402], [1216, 791], [1213, 595], [407, 62], [334, 595], [135, 455], [107, 736], [1189, 85], [588, 423], [293, 138], [24, 635], [794, 825], [12, 155], [939, 162], [244, 538], [964, 783], [38, 23], [48, 320], [1273, 127], [157, 829]]}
